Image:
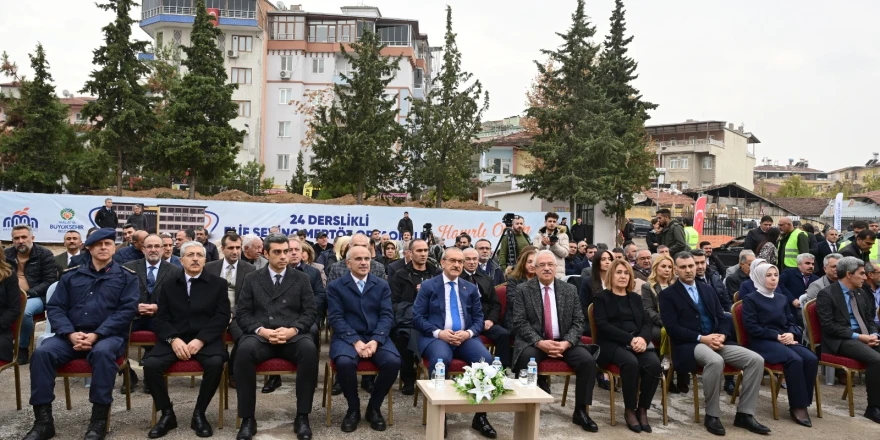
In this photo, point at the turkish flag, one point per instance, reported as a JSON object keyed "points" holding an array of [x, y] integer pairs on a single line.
{"points": [[215, 15], [700, 214]]}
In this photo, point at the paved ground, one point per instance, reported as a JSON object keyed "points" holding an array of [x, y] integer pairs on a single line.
{"points": [[275, 416]]}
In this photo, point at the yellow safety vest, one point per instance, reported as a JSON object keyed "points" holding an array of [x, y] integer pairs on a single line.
{"points": [[791, 249], [692, 237], [875, 251]]}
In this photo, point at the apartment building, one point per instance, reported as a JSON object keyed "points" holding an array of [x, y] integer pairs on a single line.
{"points": [[857, 174], [771, 172], [304, 61], [704, 153]]}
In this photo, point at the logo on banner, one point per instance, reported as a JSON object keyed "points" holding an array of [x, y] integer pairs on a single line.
{"points": [[67, 214], [20, 217], [67, 222]]}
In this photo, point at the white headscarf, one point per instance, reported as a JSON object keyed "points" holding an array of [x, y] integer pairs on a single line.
{"points": [[758, 276]]}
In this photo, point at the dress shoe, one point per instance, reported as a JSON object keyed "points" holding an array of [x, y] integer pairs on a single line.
{"points": [[132, 381], [23, 355], [248, 429], [367, 383], [643, 419], [747, 421], [200, 424], [801, 417], [167, 422], [632, 420], [683, 382], [351, 420], [714, 426], [729, 385], [409, 389], [581, 418], [232, 383], [604, 383], [481, 424], [544, 384], [337, 389], [44, 424], [872, 413], [97, 429], [302, 428], [377, 422], [272, 384]]}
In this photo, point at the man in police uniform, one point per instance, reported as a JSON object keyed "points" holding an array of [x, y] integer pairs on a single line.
{"points": [[91, 312]]}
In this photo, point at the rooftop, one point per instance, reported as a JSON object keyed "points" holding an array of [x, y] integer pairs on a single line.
{"points": [[873, 196], [803, 206], [788, 169], [666, 198], [77, 100], [694, 126], [520, 139]]}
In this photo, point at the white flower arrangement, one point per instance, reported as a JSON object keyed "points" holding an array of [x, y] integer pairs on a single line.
{"points": [[481, 381]]}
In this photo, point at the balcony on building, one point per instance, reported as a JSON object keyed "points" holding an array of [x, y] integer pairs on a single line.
{"points": [[232, 12]]}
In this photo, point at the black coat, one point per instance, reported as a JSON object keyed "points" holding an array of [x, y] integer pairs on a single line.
{"points": [[40, 270], [405, 224], [824, 251], [488, 297], [139, 221], [105, 218], [834, 316], [683, 323], [202, 314], [404, 289], [291, 305], [753, 239], [211, 252], [10, 310], [609, 322]]}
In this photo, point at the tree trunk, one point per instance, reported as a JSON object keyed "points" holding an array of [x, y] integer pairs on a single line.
{"points": [[119, 171], [360, 192], [192, 185], [438, 202], [571, 210]]}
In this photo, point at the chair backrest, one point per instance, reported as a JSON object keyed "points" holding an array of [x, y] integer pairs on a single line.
{"points": [[16, 326], [593, 332], [814, 326], [47, 333], [742, 338], [574, 280], [736, 296], [501, 291]]}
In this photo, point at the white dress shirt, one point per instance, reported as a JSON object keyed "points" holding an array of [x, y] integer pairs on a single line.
{"points": [[272, 274], [553, 313], [230, 290], [448, 324], [188, 284]]}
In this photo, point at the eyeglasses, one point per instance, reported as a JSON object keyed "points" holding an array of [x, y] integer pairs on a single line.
{"points": [[454, 261], [153, 246], [194, 255], [546, 265]]}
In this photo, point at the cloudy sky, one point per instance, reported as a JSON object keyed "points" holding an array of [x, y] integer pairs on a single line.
{"points": [[801, 75]]}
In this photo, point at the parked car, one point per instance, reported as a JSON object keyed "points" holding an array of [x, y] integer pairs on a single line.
{"points": [[729, 252], [642, 226]]}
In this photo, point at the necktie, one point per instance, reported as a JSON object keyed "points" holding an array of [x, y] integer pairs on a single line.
{"points": [[277, 281], [453, 307], [833, 247], [806, 281], [189, 286], [230, 276], [694, 295], [548, 315], [151, 279], [855, 309]]}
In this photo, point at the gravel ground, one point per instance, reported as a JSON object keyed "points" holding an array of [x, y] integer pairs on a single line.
{"points": [[275, 415]]}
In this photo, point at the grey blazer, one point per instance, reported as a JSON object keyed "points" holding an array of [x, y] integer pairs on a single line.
{"points": [[244, 269], [814, 288], [651, 303], [166, 270], [527, 320], [261, 305]]}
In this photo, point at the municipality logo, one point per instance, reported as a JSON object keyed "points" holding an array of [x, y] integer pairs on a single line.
{"points": [[67, 214], [21, 217]]}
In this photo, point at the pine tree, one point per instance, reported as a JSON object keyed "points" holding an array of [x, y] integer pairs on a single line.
{"points": [[439, 148], [122, 114], [575, 128], [37, 134], [535, 98], [198, 139], [356, 134], [299, 176]]}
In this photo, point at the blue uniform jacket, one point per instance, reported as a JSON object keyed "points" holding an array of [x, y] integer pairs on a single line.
{"points": [[103, 302], [356, 316], [429, 310]]}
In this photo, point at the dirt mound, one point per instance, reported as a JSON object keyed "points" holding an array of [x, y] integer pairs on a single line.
{"points": [[155, 193]]}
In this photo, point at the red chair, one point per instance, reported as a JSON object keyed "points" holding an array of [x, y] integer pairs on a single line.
{"points": [[192, 369], [364, 368], [142, 339], [614, 371], [271, 367], [227, 337], [4, 365], [501, 291], [772, 370], [848, 365]]}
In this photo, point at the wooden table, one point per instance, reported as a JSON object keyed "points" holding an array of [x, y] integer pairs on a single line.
{"points": [[525, 402]]}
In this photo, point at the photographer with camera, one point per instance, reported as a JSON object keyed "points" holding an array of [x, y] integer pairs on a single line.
{"points": [[554, 240], [512, 241]]}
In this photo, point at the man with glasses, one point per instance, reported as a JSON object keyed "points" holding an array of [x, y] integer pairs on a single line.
{"points": [[454, 334], [340, 268], [488, 265], [490, 304], [512, 244], [796, 281]]}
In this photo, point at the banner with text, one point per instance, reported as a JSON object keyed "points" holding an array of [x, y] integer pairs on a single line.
{"points": [[51, 215]]}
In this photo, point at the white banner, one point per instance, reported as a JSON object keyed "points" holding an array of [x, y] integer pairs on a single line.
{"points": [[51, 215], [838, 210]]}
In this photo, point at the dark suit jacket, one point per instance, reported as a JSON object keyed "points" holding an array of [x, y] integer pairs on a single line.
{"points": [[393, 267], [792, 282], [261, 305], [683, 324], [356, 316], [429, 310], [318, 288], [10, 310], [241, 271], [488, 298], [824, 251], [166, 270], [61, 262], [834, 315], [609, 322], [527, 317], [203, 314]]}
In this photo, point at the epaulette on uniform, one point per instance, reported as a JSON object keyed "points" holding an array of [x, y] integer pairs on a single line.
{"points": [[71, 268], [129, 269]]}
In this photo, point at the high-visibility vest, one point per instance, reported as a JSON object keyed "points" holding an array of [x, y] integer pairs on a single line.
{"points": [[692, 237], [791, 249], [875, 251]]}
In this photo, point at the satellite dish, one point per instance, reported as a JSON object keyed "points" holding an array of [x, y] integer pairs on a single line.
{"points": [[66, 93], [281, 6]]}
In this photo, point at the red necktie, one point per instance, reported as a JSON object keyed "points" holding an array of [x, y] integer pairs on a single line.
{"points": [[548, 314]]}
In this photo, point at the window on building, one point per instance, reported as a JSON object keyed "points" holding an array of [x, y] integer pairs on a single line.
{"points": [[499, 165], [707, 163], [288, 28], [78, 117], [684, 163], [160, 37], [244, 109], [674, 163], [672, 141], [283, 162], [692, 140], [284, 129], [240, 75], [684, 186], [394, 34], [244, 44], [673, 186], [706, 184], [285, 96], [287, 63], [322, 32], [418, 76], [318, 65]]}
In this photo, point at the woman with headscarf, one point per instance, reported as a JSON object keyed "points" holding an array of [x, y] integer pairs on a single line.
{"points": [[774, 335]]}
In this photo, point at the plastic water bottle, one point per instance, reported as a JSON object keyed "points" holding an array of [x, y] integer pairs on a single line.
{"points": [[439, 375], [533, 372], [497, 364]]}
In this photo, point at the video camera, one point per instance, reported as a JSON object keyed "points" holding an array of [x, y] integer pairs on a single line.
{"points": [[508, 219], [426, 229]]}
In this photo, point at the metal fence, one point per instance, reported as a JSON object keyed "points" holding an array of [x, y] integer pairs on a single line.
{"points": [[733, 224]]}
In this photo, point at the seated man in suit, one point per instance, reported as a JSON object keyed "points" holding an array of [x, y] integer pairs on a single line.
{"points": [[73, 246], [795, 282], [90, 312], [830, 266], [168, 250], [151, 271], [276, 310], [491, 305], [846, 315], [133, 252], [697, 329], [446, 335], [360, 314], [559, 338], [232, 269], [192, 317]]}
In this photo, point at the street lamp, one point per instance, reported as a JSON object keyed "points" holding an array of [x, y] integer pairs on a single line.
{"points": [[659, 167]]}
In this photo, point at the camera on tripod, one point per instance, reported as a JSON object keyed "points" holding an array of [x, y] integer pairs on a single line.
{"points": [[426, 229], [508, 219]]}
